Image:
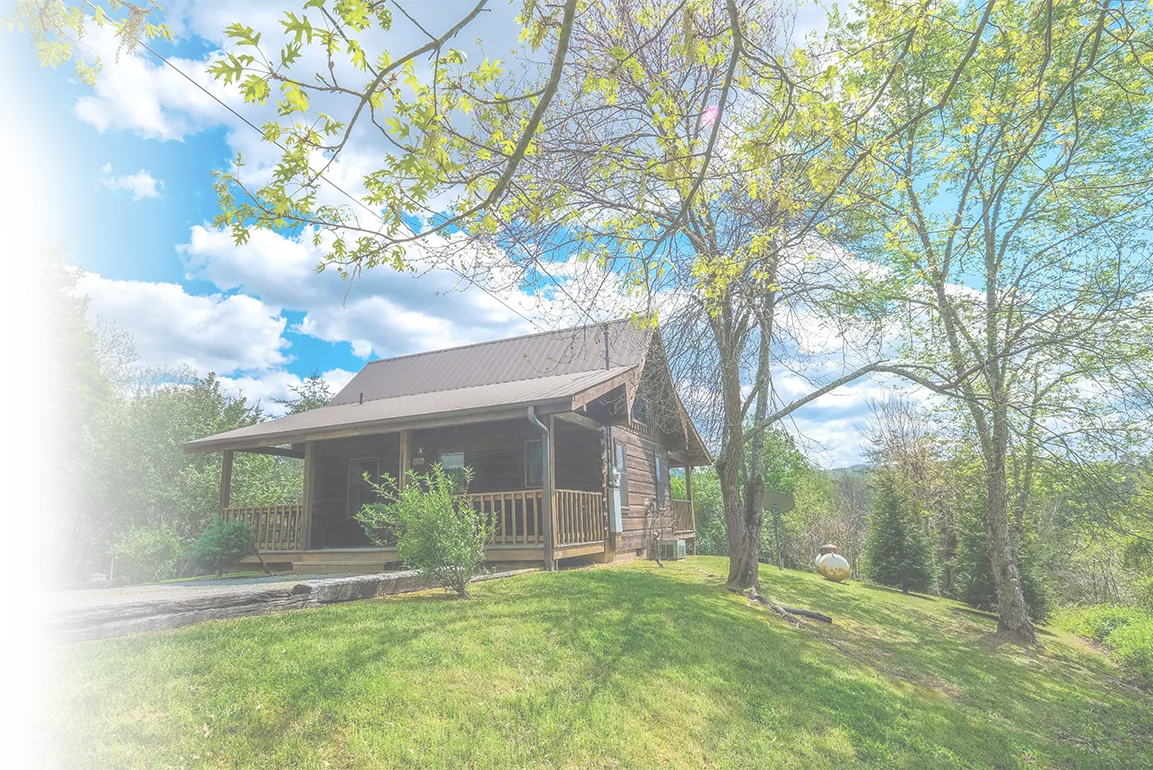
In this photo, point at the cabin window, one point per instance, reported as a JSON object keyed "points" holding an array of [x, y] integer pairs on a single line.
{"points": [[659, 470], [452, 463], [534, 463]]}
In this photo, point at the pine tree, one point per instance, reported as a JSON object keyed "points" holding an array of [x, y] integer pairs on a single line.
{"points": [[897, 552], [975, 583]]}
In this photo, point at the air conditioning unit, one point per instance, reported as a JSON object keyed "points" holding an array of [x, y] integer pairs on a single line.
{"points": [[673, 550]]}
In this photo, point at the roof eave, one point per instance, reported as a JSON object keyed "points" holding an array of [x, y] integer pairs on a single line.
{"points": [[389, 425]]}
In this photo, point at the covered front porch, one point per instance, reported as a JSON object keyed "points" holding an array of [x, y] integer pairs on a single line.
{"points": [[544, 492]]}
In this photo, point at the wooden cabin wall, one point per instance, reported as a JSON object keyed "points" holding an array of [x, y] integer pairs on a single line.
{"points": [[330, 485], [494, 450], [579, 458], [641, 484]]}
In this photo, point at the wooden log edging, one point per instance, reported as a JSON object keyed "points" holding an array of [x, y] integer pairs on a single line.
{"points": [[107, 621]]}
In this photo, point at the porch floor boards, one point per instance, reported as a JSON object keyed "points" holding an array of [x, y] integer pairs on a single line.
{"points": [[370, 559]]}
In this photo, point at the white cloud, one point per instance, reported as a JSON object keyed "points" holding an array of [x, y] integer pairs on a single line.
{"points": [[140, 94], [268, 388], [383, 312], [141, 184], [206, 332]]}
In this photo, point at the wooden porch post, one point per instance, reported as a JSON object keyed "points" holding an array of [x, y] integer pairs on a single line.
{"points": [[226, 481], [692, 508], [550, 489], [405, 457], [304, 541]]}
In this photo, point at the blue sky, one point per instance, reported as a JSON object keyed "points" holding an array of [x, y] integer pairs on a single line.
{"points": [[120, 176]]}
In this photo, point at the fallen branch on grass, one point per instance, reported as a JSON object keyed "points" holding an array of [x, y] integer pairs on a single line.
{"points": [[788, 613]]}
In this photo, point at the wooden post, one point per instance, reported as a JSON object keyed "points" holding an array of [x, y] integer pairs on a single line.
{"points": [[226, 481], [405, 457], [692, 507], [305, 539], [608, 462], [550, 491]]}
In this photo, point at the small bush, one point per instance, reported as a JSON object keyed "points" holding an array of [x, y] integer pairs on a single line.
{"points": [[147, 554], [438, 532], [1133, 646], [1127, 631], [223, 543], [1143, 590], [1100, 621]]}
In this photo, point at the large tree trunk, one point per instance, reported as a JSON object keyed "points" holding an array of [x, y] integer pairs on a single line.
{"points": [[755, 473], [742, 532], [1013, 612]]}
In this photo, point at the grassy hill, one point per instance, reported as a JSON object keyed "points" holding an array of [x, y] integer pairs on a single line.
{"points": [[620, 666]]}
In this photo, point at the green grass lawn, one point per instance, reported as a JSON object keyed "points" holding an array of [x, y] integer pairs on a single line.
{"points": [[619, 666]]}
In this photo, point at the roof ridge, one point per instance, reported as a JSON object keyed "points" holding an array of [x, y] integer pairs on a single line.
{"points": [[502, 339], [616, 368]]}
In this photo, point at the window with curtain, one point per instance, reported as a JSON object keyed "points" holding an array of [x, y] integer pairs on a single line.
{"points": [[534, 463]]}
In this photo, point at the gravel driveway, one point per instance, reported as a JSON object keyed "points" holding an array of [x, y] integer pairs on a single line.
{"points": [[22, 602]]}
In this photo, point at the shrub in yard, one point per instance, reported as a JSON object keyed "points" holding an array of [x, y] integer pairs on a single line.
{"points": [[223, 543], [1100, 621], [437, 531], [1133, 646], [147, 554], [1143, 590], [1127, 631], [897, 552]]}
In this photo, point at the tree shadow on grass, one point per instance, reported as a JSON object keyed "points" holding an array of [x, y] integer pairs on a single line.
{"points": [[910, 594]]}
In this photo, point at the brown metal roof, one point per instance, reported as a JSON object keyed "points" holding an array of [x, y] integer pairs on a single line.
{"points": [[381, 414], [535, 356]]}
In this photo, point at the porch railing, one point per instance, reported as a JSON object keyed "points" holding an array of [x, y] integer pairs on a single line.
{"points": [[579, 517], [516, 515], [277, 527], [682, 513]]}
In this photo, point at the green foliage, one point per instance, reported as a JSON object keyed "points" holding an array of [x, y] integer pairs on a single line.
{"points": [[56, 30], [313, 393], [118, 429], [709, 510], [1128, 632], [438, 533], [54, 379], [1099, 622], [1137, 554], [897, 552], [1143, 591], [973, 573], [148, 553], [142, 473], [222, 544], [55, 393], [1132, 644]]}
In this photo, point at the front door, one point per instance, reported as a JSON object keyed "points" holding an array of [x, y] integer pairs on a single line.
{"points": [[363, 474]]}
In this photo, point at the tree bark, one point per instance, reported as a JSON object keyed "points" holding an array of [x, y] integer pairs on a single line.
{"points": [[1013, 612], [742, 532]]}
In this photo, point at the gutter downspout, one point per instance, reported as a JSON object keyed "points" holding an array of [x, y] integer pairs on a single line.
{"points": [[546, 497]]}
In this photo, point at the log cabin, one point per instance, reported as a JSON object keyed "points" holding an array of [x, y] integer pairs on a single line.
{"points": [[572, 436]]}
